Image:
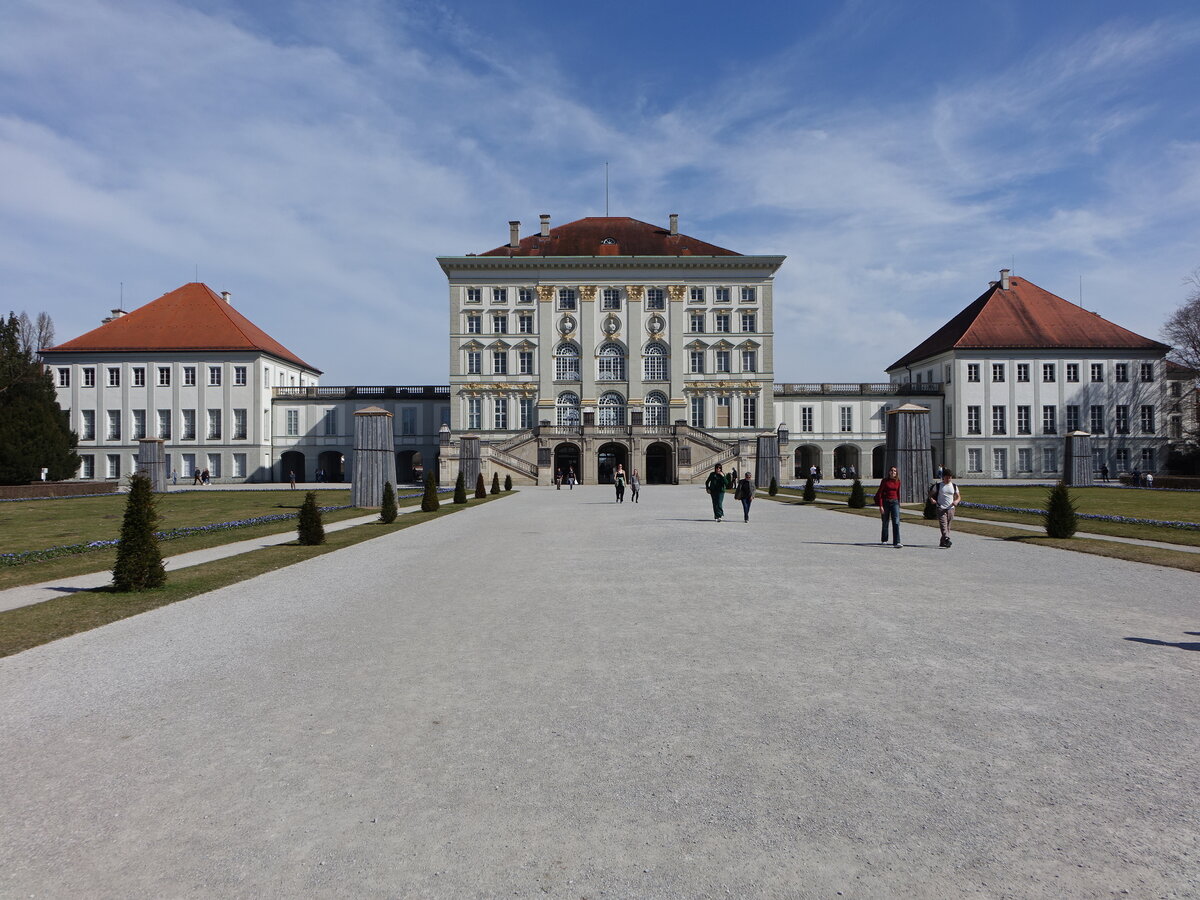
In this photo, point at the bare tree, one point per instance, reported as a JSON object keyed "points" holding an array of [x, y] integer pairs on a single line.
{"points": [[35, 335], [1182, 332]]}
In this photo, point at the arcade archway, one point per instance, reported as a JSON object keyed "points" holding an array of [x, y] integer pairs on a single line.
{"points": [[566, 459], [292, 463], [608, 457], [659, 467]]}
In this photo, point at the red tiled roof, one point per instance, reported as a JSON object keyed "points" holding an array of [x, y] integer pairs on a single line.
{"points": [[191, 318], [625, 237], [1026, 317]]}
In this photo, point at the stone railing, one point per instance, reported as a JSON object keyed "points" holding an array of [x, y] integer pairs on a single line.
{"points": [[861, 389], [365, 391]]}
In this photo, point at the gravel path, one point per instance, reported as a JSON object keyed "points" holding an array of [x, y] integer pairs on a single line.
{"points": [[554, 695]]}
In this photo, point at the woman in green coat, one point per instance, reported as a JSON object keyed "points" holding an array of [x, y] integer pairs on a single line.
{"points": [[716, 485]]}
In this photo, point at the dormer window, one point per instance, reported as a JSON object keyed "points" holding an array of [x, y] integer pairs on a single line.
{"points": [[609, 240]]}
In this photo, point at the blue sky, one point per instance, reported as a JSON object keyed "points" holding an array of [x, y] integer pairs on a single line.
{"points": [[314, 157]]}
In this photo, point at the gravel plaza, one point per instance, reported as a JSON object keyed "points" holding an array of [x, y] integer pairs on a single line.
{"points": [[556, 695]]}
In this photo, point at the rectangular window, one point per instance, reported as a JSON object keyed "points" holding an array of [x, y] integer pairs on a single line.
{"points": [[500, 323], [525, 408], [329, 423], [806, 418], [723, 412], [87, 467], [239, 376], [114, 377], [997, 372], [1146, 372], [89, 377], [474, 295], [214, 465], [87, 426], [749, 294], [1049, 420], [1147, 459], [214, 376], [697, 410], [525, 362], [974, 425], [999, 462], [525, 323], [1024, 420], [1121, 458], [846, 418], [696, 322], [566, 298], [112, 467], [164, 424], [655, 298], [721, 295], [1022, 372], [610, 299], [1072, 418], [749, 412], [239, 465], [474, 413], [749, 361], [64, 377], [114, 425], [721, 323], [525, 295], [189, 376], [975, 460], [696, 360], [1049, 459], [499, 362], [1097, 373], [946, 369], [239, 425], [999, 423], [1121, 420], [1176, 426], [500, 413], [1024, 459], [139, 424], [1147, 419], [139, 376], [1073, 373], [474, 323], [749, 321], [1097, 419], [408, 420], [188, 468], [972, 371], [696, 295], [214, 425], [293, 423], [499, 295], [1176, 389], [722, 360], [1048, 372], [474, 362], [164, 376], [1120, 373]]}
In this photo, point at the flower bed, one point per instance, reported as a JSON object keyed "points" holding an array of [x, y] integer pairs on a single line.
{"points": [[1124, 520]]}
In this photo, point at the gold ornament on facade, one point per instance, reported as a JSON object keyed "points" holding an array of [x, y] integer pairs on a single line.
{"points": [[587, 293], [635, 292], [676, 292], [545, 293]]}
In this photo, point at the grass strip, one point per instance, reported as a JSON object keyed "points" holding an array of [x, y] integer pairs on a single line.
{"points": [[31, 626]]}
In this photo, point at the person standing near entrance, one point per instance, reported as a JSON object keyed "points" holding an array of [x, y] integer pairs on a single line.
{"points": [[716, 484], [558, 479], [745, 492], [619, 482], [292, 479], [946, 496], [887, 498], [635, 486]]}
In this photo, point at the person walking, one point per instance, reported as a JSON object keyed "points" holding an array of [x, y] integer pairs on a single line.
{"points": [[571, 479], [745, 492], [887, 498], [635, 486], [292, 479], [619, 482], [946, 496], [195, 476], [558, 479], [174, 477], [1104, 472], [716, 484]]}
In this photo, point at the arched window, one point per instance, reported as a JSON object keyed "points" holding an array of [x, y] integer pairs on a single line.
{"points": [[566, 363], [567, 406], [611, 363], [656, 408], [612, 409], [654, 364]]}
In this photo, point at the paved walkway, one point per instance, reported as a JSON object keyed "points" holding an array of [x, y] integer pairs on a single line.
{"points": [[554, 695]]}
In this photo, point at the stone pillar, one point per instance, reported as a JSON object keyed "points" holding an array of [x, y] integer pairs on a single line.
{"points": [[152, 461], [374, 456], [766, 463], [468, 461], [909, 450], [1077, 459]]}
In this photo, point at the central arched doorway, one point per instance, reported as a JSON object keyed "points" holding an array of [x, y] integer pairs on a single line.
{"points": [[845, 457], [292, 464], [331, 464], [408, 466], [658, 464], [608, 457], [806, 457], [566, 458]]}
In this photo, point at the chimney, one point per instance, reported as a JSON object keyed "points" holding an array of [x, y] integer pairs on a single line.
{"points": [[674, 223], [1004, 279], [514, 234], [116, 314], [545, 217], [225, 297]]}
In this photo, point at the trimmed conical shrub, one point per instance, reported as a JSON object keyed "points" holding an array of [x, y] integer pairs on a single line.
{"points": [[495, 482], [139, 565], [508, 482], [773, 489], [810, 492], [387, 511], [429, 502], [480, 488], [311, 530], [858, 499], [460, 489], [1060, 518]]}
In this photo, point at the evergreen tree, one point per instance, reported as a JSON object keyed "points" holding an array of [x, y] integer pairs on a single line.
{"points": [[34, 431], [311, 530], [480, 488], [460, 489], [139, 565], [508, 482], [429, 502], [1060, 518], [773, 489], [387, 511], [810, 492], [495, 482], [857, 499]]}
